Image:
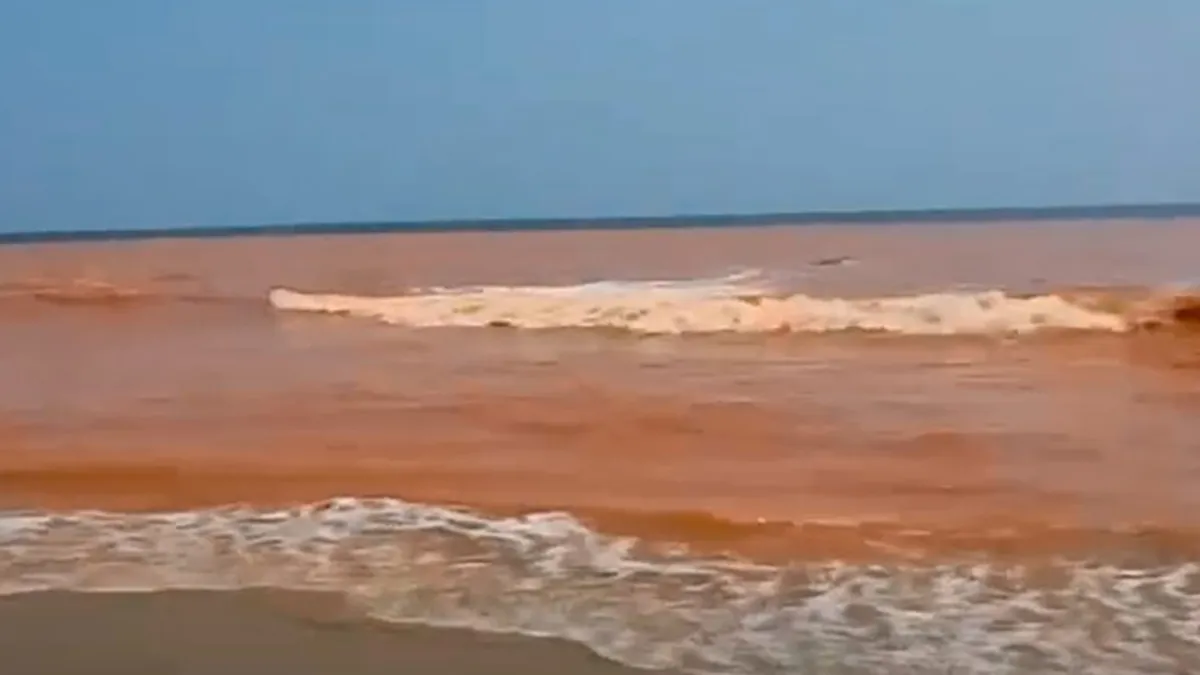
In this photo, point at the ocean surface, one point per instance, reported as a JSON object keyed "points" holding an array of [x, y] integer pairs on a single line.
{"points": [[901, 448]]}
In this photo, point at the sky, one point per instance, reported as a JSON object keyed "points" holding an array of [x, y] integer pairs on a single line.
{"points": [[146, 113]]}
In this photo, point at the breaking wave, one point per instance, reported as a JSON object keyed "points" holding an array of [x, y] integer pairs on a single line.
{"points": [[745, 304], [654, 606], [748, 302]]}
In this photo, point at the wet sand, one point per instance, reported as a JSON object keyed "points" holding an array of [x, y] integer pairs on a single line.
{"points": [[254, 633]]}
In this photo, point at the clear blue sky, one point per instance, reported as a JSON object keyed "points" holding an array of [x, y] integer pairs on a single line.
{"points": [[131, 113]]}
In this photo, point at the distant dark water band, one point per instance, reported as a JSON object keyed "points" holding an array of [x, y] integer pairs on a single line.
{"points": [[879, 217]]}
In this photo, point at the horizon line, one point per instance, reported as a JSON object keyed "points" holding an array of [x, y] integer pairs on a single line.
{"points": [[1104, 212]]}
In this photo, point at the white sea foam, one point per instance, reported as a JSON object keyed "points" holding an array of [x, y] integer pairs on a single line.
{"points": [[743, 303], [549, 575]]}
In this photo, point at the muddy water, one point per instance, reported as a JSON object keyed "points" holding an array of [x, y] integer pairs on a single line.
{"points": [[843, 449]]}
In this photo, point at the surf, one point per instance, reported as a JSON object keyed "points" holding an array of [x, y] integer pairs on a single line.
{"points": [[549, 574], [751, 304]]}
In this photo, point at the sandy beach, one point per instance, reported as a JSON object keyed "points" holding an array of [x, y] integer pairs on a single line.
{"points": [[251, 633]]}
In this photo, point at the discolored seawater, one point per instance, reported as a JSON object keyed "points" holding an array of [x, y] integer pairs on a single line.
{"points": [[959, 449]]}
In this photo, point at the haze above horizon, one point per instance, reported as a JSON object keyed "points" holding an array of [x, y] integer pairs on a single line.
{"points": [[135, 113]]}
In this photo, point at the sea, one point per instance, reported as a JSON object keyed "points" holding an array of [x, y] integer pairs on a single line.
{"points": [[956, 443]]}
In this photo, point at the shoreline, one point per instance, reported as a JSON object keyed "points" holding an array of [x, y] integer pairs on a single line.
{"points": [[257, 631]]}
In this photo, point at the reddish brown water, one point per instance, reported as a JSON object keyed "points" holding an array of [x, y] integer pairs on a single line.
{"points": [[157, 376]]}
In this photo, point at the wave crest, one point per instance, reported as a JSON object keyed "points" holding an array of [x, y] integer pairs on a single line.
{"points": [[744, 306]]}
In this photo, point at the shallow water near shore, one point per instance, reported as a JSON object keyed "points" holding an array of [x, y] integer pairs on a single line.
{"points": [[819, 449]]}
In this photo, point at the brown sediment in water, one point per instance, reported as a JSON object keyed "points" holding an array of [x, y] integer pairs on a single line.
{"points": [[256, 632], [184, 405], [893, 258]]}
